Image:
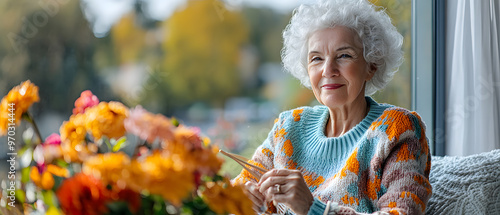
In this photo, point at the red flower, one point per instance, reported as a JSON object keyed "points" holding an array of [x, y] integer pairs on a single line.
{"points": [[83, 194], [86, 100]]}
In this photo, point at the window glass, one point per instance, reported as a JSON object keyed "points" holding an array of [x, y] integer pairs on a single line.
{"points": [[398, 91], [211, 64]]}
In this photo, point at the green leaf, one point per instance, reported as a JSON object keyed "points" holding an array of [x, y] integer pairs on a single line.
{"points": [[62, 163], [25, 175], [159, 206], [196, 206], [20, 196], [118, 207], [57, 182], [49, 197], [120, 143], [175, 122], [108, 144], [22, 150]]}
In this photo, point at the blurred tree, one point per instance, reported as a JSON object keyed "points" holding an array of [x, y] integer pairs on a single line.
{"points": [[202, 51], [49, 42], [132, 51], [128, 39], [266, 27]]}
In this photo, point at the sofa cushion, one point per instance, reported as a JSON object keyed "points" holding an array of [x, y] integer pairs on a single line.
{"points": [[465, 185]]}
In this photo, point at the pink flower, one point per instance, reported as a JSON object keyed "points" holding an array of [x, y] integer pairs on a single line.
{"points": [[53, 139], [149, 126], [86, 100], [48, 151]]}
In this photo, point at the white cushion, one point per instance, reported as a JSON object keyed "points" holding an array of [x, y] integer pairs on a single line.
{"points": [[465, 185]]}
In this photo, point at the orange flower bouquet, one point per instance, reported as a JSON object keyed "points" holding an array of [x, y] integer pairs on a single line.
{"points": [[84, 168]]}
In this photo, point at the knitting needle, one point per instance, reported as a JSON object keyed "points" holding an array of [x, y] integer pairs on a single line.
{"points": [[254, 170], [242, 160]]}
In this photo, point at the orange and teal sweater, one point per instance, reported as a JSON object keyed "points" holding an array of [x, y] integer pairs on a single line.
{"points": [[380, 165]]}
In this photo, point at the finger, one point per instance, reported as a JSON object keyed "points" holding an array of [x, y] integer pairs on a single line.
{"points": [[253, 190], [255, 196], [270, 182], [256, 200], [283, 199], [276, 172], [274, 191]]}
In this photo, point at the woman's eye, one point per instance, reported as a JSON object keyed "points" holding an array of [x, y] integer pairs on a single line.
{"points": [[345, 56], [315, 59]]}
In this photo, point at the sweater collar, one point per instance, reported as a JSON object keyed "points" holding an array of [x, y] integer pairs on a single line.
{"points": [[331, 147]]}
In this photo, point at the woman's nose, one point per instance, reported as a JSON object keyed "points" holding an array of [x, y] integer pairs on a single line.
{"points": [[330, 68]]}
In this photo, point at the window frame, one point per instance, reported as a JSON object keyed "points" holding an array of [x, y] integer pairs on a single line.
{"points": [[427, 57]]}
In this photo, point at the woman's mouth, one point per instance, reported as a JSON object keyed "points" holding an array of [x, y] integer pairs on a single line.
{"points": [[332, 86]]}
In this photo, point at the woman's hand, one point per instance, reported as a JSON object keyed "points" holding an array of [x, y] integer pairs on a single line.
{"points": [[256, 196], [288, 187]]}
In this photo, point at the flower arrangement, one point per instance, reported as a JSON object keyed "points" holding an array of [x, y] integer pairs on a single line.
{"points": [[84, 169]]}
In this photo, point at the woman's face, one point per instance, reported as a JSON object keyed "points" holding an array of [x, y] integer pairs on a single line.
{"points": [[336, 66]]}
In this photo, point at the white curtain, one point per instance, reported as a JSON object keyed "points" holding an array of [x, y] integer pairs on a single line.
{"points": [[472, 116]]}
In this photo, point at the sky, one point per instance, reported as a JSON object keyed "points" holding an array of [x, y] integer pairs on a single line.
{"points": [[104, 13]]}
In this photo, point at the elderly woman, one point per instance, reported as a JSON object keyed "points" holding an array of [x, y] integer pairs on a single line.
{"points": [[350, 155]]}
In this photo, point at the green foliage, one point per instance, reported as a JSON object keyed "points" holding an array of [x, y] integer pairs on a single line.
{"points": [[153, 204], [119, 144], [196, 206], [119, 207]]}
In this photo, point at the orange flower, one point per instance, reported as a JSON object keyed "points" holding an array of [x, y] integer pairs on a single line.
{"points": [[188, 137], [204, 161], [86, 100], [57, 171], [19, 99], [73, 138], [224, 198], [46, 179], [190, 148], [110, 168], [106, 119], [83, 194], [163, 175], [149, 126]]}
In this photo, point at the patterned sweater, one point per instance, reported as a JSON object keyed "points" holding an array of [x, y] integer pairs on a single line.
{"points": [[381, 164]]}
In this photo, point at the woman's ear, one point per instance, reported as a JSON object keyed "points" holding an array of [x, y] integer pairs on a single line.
{"points": [[372, 68]]}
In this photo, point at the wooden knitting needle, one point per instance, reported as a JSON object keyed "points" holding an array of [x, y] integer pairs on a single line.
{"points": [[257, 173]]}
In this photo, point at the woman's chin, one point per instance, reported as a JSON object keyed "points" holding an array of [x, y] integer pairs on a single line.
{"points": [[333, 101]]}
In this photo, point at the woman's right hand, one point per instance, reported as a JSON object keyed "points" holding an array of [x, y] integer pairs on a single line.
{"points": [[256, 196]]}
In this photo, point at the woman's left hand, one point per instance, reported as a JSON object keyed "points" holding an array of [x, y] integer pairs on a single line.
{"points": [[288, 187]]}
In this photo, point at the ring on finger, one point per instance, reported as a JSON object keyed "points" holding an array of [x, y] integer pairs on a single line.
{"points": [[278, 188]]}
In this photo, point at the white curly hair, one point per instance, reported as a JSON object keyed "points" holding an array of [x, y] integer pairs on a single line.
{"points": [[381, 41]]}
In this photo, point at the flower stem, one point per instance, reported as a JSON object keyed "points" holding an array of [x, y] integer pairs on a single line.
{"points": [[27, 116]]}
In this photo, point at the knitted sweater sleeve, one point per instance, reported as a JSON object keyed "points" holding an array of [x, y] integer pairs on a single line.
{"points": [[398, 176], [263, 155]]}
